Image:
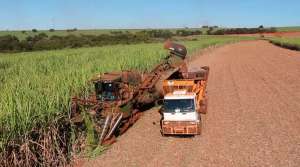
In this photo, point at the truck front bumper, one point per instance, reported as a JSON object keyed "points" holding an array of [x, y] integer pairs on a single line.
{"points": [[181, 127]]}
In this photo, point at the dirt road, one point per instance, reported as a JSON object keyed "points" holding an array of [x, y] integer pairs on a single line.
{"points": [[253, 115]]}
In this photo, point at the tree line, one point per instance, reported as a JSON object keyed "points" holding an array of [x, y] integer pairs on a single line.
{"points": [[41, 41], [241, 31]]}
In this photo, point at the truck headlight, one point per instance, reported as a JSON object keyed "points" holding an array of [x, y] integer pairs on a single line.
{"points": [[166, 123], [193, 123]]}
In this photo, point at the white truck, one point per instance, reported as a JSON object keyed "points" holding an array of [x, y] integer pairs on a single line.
{"points": [[184, 100]]}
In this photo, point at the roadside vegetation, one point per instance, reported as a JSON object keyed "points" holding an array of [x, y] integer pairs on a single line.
{"points": [[36, 88], [289, 43]]}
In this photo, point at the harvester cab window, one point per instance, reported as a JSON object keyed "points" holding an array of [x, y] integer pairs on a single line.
{"points": [[179, 105], [106, 91], [108, 87], [109, 91], [98, 89]]}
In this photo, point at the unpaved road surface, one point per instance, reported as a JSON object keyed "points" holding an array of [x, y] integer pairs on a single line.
{"points": [[253, 115]]}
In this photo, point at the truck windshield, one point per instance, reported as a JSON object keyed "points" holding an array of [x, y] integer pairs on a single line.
{"points": [[179, 105]]}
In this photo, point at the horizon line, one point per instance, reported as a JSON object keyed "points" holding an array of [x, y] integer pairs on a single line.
{"points": [[142, 28]]}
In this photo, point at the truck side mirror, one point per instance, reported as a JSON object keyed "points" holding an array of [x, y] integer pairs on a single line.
{"points": [[160, 102]]}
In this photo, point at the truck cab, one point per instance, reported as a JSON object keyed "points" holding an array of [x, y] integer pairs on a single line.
{"points": [[180, 114]]}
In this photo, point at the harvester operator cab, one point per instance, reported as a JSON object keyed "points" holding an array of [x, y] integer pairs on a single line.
{"points": [[107, 87], [106, 91], [116, 86]]}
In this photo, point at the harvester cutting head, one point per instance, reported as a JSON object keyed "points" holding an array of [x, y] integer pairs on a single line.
{"points": [[176, 49]]}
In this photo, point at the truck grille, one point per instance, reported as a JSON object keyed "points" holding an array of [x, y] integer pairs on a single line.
{"points": [[183, 128]]}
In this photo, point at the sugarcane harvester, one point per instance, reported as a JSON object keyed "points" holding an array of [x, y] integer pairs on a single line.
{"points": [[119, 97]]}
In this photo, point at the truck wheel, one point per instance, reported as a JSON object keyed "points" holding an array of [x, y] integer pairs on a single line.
{"points": [[199, 127], [162, 133], [203, 106]]}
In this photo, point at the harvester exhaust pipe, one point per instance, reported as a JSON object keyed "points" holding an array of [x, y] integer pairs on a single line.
{"points": [[176, 49]]}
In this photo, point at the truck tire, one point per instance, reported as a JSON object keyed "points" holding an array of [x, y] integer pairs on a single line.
{"points": [[203, 106], [200, 126]]}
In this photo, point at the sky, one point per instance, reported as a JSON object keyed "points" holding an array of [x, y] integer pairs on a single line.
{"points": [[107, 14]]}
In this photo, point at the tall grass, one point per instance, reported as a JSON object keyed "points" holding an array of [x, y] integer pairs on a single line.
{"points": [[36, 87]]}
